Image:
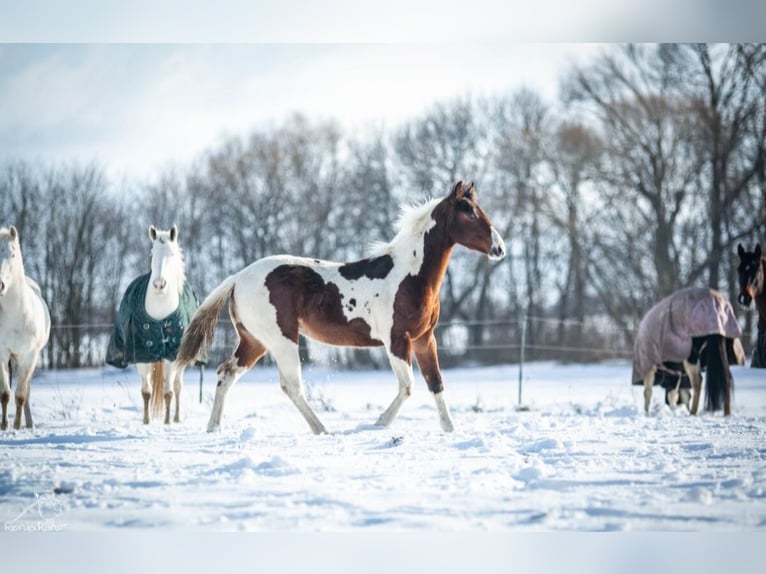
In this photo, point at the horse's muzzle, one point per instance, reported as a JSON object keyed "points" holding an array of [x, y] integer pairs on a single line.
{"points": [[497, 249], [160, 285], [744, 300], [3, 288]]}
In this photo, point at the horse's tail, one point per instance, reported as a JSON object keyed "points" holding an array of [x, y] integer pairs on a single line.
{"points": [[200, 331], [158, 384], [718, 380]]}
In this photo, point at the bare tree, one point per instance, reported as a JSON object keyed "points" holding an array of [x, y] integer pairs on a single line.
{"points": [[574, 160], [648, 181]]}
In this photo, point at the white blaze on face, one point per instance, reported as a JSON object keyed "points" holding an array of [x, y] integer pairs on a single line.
{"points": [[497, 248]]}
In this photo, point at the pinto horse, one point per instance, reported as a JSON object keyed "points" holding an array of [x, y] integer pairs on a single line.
{"points": [[751, 272], [25, 325], [153, 313], [390, 299]]}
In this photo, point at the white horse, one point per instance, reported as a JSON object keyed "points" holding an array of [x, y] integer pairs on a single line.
{"points": [[166, 285], [25, 326], [150, 323]]}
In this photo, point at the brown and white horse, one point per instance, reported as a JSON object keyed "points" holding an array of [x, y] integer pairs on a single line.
{"points": [[390, 299], [752, 287], [25, 325]]}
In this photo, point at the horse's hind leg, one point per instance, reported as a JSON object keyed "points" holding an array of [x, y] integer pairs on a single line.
{"points": [[648, 383], [248, 352], [289, 366], [695, 377]]}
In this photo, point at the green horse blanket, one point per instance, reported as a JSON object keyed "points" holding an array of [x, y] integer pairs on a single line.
{"points": [[138, 338]]}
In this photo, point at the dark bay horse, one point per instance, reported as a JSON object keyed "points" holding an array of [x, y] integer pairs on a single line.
{"points": [[751, 272], [389, 299]]}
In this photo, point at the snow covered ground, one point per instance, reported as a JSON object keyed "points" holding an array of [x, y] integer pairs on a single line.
{"points": [[583, 457]]}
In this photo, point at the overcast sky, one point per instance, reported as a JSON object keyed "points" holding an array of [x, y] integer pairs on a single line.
{"points": [[136, 108], [187, 79]]}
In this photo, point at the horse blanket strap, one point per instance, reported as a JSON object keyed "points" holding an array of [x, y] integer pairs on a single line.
{"points": [[759, 352], [666, 331], [138, 338]]}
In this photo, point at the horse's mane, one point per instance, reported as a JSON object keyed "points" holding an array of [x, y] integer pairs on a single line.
{"points": [[414, 219]]}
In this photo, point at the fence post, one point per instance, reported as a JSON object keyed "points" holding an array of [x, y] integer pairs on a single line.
{"points": [[521, 352], [200, 383]]}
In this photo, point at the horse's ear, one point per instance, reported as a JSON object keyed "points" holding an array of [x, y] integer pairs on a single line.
{"points": [[740, 250], [14, 233], [152, 233], [757, 250], [470, 193], [174, 233], [457, 191]]}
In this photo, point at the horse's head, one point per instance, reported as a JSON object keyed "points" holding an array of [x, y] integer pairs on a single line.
{"points": [[469, 226], [10, 257], [750, 272], [167, 260]]}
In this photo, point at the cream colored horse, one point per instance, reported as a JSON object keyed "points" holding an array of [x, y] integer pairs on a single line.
{"points": [[25, 325], [163, 378]]}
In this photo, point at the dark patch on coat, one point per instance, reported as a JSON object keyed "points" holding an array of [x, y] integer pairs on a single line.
{"points": [[306, 304], [372, 268]]}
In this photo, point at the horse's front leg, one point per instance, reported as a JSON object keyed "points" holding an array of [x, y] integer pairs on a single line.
{"points": [[5, 391], [399, 355], [26, 366], [145, 374], [695, 377], [171, 371], [648, 383], [428, 361], [178, 383]]}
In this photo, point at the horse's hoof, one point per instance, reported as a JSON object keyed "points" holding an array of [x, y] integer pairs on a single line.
{"points": [[4, 425], [213, 428]]}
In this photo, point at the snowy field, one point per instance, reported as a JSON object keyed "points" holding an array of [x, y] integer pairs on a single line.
{"points": [[583, 457]]}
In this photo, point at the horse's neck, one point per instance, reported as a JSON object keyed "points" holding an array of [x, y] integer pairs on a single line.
{"points": [[160, 306], [436, 255], [20, 296]]}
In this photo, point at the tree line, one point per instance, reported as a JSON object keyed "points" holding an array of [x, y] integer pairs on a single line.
{"points": [[640, 179]]}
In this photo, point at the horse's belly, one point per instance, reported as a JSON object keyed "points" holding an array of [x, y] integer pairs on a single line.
{"points": [[353, 333]]}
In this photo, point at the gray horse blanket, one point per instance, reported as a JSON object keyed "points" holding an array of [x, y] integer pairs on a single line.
{"points": [[666, 331], [138, 338]]}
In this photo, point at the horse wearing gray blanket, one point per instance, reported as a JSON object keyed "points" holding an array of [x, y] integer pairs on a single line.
{"points": [[697, 328]]}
